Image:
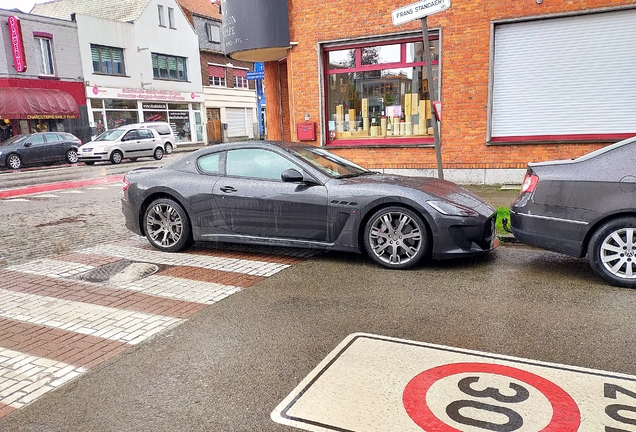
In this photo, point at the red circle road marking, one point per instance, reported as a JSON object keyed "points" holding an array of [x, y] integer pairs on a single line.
{"points": [[565, 412]]}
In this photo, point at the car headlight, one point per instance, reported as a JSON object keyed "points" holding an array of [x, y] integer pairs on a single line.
{"points": [[450, 209]]}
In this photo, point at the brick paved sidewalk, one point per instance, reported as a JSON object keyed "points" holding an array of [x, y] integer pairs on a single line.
{"points": [[63, 315]]}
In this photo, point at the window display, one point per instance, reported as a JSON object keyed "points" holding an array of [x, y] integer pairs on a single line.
{"points": [[380, 92]]}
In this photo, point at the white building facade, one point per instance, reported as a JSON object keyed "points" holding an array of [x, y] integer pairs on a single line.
{"points": [[140, 62]]}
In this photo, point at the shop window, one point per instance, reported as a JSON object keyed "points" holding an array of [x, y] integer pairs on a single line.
{"points": [[171, 23], [379, 93], [169, 67], [108, 60], [44, 54], [217, 75], [214, 32], [162, 17]]}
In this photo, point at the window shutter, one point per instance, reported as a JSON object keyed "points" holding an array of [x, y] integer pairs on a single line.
{"points": [[95, 53], [239, 73], [216, 71]]}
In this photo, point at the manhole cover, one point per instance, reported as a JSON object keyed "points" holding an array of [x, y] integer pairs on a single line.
{"points": [[120, 272]]}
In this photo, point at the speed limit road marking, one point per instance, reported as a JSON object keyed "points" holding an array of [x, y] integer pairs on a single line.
{"points": [[376, 383]]}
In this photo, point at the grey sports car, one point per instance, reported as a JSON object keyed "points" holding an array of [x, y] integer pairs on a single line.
{"points": [[287, 194], [584, 206]]}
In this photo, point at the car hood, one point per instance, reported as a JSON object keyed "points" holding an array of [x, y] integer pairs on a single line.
{"points": [[436, 188]]}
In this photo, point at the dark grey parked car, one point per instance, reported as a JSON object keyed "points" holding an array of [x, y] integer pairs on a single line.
{"points": [[291, 195], [584, 206], [41, 147]]}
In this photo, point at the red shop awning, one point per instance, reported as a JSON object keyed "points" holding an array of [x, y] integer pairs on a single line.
{"points": [[26, 103]]}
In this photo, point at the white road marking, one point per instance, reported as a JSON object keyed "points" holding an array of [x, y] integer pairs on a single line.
{"points": [[85, 318], [51, 268], [375, 383], [24, 377]]}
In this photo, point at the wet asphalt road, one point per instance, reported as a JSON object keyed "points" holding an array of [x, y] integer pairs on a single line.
{"points": [[228, 367]]}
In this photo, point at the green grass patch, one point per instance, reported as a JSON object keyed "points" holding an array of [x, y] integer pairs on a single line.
{"points": [[502, 212]]}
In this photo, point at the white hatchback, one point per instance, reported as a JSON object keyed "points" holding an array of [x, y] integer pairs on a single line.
{"points": [[115, 145], [162, 128]]}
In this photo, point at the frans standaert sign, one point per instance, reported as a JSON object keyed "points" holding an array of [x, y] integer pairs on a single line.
{"points": [[418, 10], [147, 94]]}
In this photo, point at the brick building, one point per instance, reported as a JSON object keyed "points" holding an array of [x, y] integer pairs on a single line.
{"points": [[519, 81]]}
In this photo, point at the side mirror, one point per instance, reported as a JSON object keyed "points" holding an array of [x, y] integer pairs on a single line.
{"points": [[291, 176], [27, 144]]}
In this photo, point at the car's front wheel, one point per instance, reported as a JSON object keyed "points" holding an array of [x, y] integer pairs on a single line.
{"points": [[14, 161], [116, 157], [158, 155], [396, 238], [167, 226], [612, 252], [71, 156]]}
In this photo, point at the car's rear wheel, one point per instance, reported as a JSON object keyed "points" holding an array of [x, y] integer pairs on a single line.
{"points": [[14, 161], [116, 157], [168, 148], [89, 162], [612, 252], [71, 156], [167, 226], [396, 238], [158, 155]]}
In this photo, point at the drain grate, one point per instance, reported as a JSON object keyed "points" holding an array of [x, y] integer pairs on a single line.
{"points": [[120, 272]]}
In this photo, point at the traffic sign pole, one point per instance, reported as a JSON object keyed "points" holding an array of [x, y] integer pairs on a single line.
{"points": [[429, 76]]}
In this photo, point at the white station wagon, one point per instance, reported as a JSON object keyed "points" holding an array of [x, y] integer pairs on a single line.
{"points": [[115, 145]]}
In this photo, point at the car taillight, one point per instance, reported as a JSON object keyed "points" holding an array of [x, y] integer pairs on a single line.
{"points": [[126, 184], [529, 183]]}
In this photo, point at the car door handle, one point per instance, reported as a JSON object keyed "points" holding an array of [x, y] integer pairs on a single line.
{"points": [[228, 189]]}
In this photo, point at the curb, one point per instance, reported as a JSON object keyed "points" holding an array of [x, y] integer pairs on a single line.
{"points": [[508, 238]]}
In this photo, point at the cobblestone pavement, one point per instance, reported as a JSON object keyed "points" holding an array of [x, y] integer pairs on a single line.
{"points": [[77, 288]]}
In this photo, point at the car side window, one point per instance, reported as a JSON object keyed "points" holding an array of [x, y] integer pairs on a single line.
{"points": [[37, 139], [145, 133], [257, 163], [162, 129], [51, 137], [130, 135], [210, 164]]}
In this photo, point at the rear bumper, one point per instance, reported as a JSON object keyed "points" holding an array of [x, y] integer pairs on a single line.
{"points": [[544, 234], [131, 217]]}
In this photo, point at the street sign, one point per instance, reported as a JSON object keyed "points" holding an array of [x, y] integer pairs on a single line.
{"points": [[418, 10], [375, 383], [255, 75]]}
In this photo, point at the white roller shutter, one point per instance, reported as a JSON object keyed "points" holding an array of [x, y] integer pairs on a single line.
{"points": [[239, 123], [565, 76]]}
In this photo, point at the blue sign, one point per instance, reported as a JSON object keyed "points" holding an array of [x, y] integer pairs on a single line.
{"points": [[255, 75]]}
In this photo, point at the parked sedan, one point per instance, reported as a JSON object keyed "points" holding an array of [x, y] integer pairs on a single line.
{"points": [[291, 195], [115, 145], [584, 206], [41, 147]]}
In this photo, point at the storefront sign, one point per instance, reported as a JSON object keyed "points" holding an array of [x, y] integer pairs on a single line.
{"points": [[418, 10], [17, 46], [153, 106], [50, 116], [147, 94]]}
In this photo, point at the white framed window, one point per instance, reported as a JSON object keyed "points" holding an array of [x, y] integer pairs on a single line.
{"points": [[162, 16], [240, 82], [217, 81], [44, 54], [171, 23], [217, 75], [214, 32]]}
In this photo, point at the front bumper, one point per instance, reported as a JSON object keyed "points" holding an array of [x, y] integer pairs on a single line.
{"points": [[465, 236]]}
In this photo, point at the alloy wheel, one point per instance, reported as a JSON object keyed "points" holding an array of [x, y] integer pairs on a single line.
{"points": [[618, 253], [164, 225], [71, 156], [14, 162], [395, 238]]}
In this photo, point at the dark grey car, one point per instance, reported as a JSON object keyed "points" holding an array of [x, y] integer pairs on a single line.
{"points": [[41, 147], [584, 206], [291, 195]]}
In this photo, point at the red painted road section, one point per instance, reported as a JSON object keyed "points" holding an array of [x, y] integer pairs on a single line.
{"points": [[49, 187]]}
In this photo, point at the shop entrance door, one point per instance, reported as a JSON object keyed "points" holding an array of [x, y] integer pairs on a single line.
{"points": [[214, 125]]}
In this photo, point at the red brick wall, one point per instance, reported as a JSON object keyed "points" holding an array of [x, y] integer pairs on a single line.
{"points": [[221, 59], [465, 63]]}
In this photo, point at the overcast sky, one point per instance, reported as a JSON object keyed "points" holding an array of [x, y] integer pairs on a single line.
{"points": [[23, 5]]}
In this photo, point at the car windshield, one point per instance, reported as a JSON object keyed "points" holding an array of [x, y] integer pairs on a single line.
{"points": [[328, 163], [14, 140], [110, 135]]}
